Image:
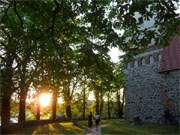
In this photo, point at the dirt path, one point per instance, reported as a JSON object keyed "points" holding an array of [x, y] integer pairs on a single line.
{"points": [[94, 131]]}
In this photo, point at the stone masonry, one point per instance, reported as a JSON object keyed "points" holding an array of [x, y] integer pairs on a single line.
{"points": [[146, 89]]}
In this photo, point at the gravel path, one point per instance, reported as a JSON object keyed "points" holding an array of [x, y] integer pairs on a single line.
{"points": [[94, 131]]}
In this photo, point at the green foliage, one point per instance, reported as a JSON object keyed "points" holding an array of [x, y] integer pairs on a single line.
{"points": [[74, 30], [132, 14]]}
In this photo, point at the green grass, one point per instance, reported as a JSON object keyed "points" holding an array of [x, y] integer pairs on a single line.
{"points": [[122, 127], [65, 128], [108, 127]]}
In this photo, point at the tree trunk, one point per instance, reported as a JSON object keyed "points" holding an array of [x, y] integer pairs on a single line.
{"points": [[122, 105], [119, 104], [54, 103], [7, 89], [97, 101], [109, 111], [22, 107], [68, 112], [38, 109], [5, 113], [84, 104], [102, 104]]}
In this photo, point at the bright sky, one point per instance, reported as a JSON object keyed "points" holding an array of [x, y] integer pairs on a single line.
{"points": [[114, 54], [178, 7], [91, 96]]}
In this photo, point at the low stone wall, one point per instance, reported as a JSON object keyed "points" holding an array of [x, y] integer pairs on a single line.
{"points": [[146, 89]]}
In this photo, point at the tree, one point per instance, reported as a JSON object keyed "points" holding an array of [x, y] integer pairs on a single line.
{"points": [[100, 78], [108, 104], [26, 74], [84, 85], [9, 48], [120, 102], [117, 86], [101, 101]]}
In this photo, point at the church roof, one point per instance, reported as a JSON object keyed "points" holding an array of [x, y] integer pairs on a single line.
{"points": [[171, 56]]}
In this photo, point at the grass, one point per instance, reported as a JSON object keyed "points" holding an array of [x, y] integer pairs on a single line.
{"points": [[108, 127], [122, 127], [63, 128]]}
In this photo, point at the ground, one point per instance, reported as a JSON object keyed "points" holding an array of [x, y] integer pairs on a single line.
{"points": [[122, 127], [108, 127], [63, 128]]}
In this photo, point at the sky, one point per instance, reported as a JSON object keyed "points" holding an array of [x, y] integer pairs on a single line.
{"points": [[114, 53]]}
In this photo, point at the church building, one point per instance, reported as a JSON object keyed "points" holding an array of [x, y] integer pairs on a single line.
{"points": [[152, 88]]}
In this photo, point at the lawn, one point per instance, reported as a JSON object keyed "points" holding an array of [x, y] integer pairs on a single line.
{"points": [[122, 127], [108, 127], [63, 128]]}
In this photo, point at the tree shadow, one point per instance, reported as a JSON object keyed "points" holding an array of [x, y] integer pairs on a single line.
{"points": [[65, 128]]}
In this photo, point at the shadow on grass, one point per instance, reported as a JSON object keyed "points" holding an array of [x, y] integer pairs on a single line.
{"points": [[65, 128], [108, 127]]}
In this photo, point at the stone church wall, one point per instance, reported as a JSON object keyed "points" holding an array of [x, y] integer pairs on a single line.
{"points": [[146, 88]]}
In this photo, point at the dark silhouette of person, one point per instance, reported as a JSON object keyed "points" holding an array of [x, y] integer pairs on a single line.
{"points": [[169, 119], [90, 120], [97, 119]]}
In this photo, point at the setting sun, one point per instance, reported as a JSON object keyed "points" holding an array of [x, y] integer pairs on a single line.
{"points": [[45, 99]]}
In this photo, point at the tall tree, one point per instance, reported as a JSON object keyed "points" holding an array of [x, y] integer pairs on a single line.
{"points": [[117, 87], [109, 104], [9, 47]]}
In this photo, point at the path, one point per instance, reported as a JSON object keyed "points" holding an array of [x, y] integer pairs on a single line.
{"points": [[94, 131]]}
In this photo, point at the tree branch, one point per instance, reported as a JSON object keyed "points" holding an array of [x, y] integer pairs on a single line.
{"points": [[3, 2], [33, 74], [74, 86], [5, 12], [2, 58], [15, 10], [53, 25]]}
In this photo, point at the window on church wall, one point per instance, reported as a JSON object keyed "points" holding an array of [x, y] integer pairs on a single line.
{"points": [[136, 63], [151, 59], [143, 61], [155, 57]]}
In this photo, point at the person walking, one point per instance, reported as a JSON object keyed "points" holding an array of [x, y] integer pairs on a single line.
{"points": [[97, 120], [90, 120]]}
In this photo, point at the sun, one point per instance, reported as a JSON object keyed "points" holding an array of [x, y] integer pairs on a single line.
{"points": [[45, 99]]}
